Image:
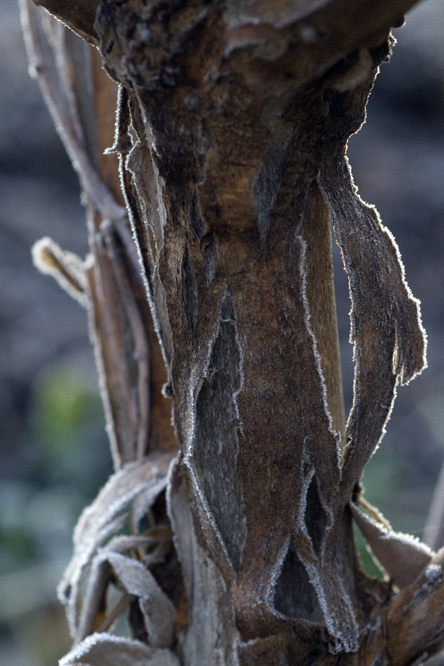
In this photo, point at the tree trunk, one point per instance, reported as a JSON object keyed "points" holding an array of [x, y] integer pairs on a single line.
{"points": [[232, 125]]}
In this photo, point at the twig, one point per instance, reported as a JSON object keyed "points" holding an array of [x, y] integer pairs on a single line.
{"points": [[68, 127], [434, 529]]}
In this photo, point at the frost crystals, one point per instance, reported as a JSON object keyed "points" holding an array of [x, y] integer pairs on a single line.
{"points": [[124, 560]]}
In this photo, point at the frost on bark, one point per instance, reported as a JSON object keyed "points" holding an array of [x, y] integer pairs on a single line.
{"points": [[213, 294]]}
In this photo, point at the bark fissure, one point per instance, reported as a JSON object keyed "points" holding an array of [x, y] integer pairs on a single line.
{"points": [[216, 465]]}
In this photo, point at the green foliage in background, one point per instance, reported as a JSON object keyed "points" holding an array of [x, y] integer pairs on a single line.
{"points": [[65, 463]]}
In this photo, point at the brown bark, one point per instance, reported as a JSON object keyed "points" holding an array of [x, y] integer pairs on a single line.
{"points": [[233, 121]]}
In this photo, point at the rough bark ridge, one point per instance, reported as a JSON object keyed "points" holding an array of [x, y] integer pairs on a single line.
{"points": [[232, 126]]}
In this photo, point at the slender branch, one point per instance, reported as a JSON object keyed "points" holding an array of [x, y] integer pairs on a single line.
{"points": [[434, 529], [73, 141], [141, 353]]}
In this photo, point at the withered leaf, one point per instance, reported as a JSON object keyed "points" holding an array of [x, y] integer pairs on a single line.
{"points": [[402, 556], [98, 579], [158, 611], [67, 268], [106, 515], [106, 650]]}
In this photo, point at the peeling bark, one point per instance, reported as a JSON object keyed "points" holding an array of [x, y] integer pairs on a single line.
{"points": [[232, 125], [79, 15]]}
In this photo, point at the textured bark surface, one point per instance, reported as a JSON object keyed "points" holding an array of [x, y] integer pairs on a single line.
{"points": [[232, 124]]}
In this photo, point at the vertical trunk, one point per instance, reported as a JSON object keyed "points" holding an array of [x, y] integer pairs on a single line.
{"points": [[232, 126]]}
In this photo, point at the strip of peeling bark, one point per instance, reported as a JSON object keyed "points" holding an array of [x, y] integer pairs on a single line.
{"points": [[79, 15]]}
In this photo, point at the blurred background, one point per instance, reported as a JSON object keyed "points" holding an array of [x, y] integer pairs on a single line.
{"points": [[53, 449]]}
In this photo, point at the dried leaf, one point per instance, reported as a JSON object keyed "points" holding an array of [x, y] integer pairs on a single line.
{"points": [[402, 556], [106, 516], [157, 609], [99, 577], [106, 650], [67, 268]]}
